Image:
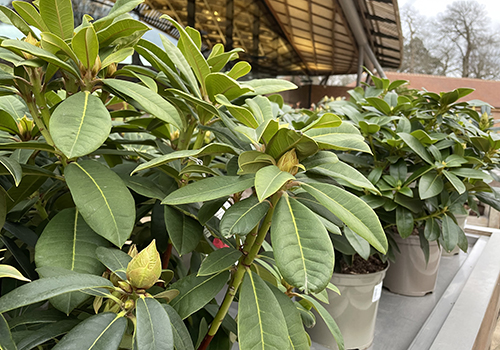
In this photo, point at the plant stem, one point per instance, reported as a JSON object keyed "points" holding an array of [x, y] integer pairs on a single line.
{"points": [[185, 136], [244, 262]]}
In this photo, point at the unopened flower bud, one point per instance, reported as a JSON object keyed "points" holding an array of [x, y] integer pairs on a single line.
{"points": [[133, 251], [114, 279], [129, 304], [289, 162], [145, 268], [125, 286]]}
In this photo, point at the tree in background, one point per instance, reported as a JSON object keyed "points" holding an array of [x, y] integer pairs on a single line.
{"points": [[458, 42]]}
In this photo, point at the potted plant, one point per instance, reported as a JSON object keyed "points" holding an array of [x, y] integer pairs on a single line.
{"points": [[426, 165], [110, 177]]}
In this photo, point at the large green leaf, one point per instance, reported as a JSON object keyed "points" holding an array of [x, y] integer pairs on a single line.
{"points": [[80, 124], [404, 222], [286, 139], [55, 44], [330, 322], [46, 333], [208, 189], [119, 8], [360, 245], [242, 114], [182, 339], [269, 180], [196, 292], [148, 99], [302, 247], [6, 341], [455, 181], [184, 231], [270, 86], [221, 84], [296, 333], [118, 29], [344, 137], [416, 146], [471, 173], [115, 260], [41, 53], [261, 324], [345, 172], [211, 149], [243, 216], [99, 332], [102, 199], [11, 272], [10, 17], [191, 53], [86, 46], [451, 233], [219, 260], [353, 211], [50, 287], [30, 15], [75, 241], [431, 184], [58, 16], [153, 326]]}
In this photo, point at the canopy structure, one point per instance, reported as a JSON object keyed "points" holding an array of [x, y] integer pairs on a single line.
{"points": [[282, 37]]}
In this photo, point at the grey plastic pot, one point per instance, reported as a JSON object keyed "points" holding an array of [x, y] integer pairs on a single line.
{"points": [[461, 221], [355, 310], [410, 274]]}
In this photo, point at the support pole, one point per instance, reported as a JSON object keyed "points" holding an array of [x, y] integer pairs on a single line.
{"points": [[191, 9], [229, 24], [255, 42], [361, 61]]}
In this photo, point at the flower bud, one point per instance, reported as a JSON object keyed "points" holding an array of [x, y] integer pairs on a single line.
{"points": [[129, 304], [145, 268], [132, 251], [114, 279], [125, 286], [289, 162]]}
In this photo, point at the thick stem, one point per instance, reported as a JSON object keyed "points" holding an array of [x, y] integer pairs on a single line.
{"points": [[245, 261], [185, 137], [39, 122]]}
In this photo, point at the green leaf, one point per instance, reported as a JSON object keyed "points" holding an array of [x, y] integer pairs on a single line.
{"points": [[286, 139], [58, 16], [327, 120], [41, 53], [239, 70], [150, 101], [430, 185], [269, 180], [46, 288], [153, 326], [11, 272], [261, 324], [432, 230], [117, 56], [221, 84], [102, 199], [471, 173], [320, 158], [55, 44], [344, 137], [13, 167], [302, 247], [455, 181], [86, 46], [360, 245], [184, 231], [99, 332], [80, 124], [115, 260], [191, 53], [75, 241], [451, 232], [345, 172], [242, 217], [120, 29], [380, 105], [209, 188], [182, 339], [296, 333], [28, 145], [330, 322], [10, 17], [119, 8], [354, 212], [270, 86], [196, 292], [30, 15], [242, 114], [6, 341], [412, 142], [197, 102], [210, 149], [46, 333], [219, 260], [404, 222]]}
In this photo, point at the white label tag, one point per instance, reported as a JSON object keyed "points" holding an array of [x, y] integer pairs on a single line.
{"points": [[377, 292]]}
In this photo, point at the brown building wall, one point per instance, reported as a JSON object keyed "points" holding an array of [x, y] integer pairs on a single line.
{"points": [[306, 95]]}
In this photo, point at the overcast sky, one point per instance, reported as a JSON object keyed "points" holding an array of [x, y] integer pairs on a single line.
{"points": [[430, 8]]}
